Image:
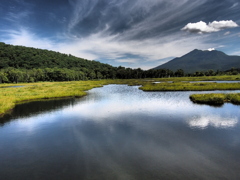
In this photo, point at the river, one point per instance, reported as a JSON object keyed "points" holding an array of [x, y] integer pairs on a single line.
{"points": [[121, 132]]}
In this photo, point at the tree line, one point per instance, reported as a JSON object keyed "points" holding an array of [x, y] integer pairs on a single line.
{"points": [[24, 64], [14, 75]]}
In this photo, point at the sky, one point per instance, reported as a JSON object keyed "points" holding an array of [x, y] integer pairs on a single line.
{"points": [[130, 33]]}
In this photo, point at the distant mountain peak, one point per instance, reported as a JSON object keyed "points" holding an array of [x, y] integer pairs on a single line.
{"points": [[202, 60]]}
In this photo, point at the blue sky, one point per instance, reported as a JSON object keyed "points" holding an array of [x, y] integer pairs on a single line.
{"points": [[130, 33]]}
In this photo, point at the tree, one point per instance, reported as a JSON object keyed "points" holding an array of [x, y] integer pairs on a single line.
{"points": [[179, 73], [3, 77], [92, 75], [14, 75]]}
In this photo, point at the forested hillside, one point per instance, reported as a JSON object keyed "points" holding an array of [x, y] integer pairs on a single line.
{"points": [[20, 63], [29, 58], [24, 64]]}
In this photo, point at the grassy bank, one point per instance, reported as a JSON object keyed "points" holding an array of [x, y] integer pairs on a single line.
{"points": [[216, 99], [13, 95], [202, 78], [9, 97], [186, 86]]}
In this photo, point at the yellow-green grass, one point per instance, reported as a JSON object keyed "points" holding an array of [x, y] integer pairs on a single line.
{"points": [[216, 99], [9, 97], [202, 78], [186, 86]]}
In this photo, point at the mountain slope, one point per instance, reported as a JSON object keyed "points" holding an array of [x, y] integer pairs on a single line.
{"points": [[28, 58], [198, 60]]}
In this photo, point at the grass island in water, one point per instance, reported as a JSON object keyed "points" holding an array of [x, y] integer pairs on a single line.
{"points": [[9, 97]]}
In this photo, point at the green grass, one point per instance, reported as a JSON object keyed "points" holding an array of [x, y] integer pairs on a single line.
{"points": [[9, 97], [216, 99], [202, 78], [186, 86]]}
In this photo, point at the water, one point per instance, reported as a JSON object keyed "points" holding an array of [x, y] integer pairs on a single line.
{"points": [[120, 132]]}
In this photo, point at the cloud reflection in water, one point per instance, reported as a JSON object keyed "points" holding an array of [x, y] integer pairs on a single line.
{"points": [[203, 122], [120, 132]]}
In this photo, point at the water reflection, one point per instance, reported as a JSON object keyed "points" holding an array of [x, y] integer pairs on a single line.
{"points": [[120, 132], [37, 107], [203, 122]]}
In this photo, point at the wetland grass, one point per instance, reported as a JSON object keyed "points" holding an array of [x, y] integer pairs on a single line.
{"points": [[186, 86], [216, 99], [201, 78], [9, 97]]}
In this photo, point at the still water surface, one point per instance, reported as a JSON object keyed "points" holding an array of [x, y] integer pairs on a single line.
{"points": [[120, 132]]}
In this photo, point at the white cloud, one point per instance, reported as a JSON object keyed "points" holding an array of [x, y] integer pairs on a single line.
{"points": [[219, 25], [199, 27], [234, 5], [142, 39], [25, 38], [202, 27], [227, 33], [235, 53], [215, 121], [211, 49], [147, 34], [128, 60], [17, 17], [101, 45], [81, 10]]}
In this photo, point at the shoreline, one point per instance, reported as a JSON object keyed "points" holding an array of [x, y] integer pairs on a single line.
{"points": [[9, 97]]}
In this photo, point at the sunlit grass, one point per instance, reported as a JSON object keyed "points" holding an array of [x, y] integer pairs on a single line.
{"points": [[186, 86], [9, 97], [202, 78], [47, 90], [216, 99]]}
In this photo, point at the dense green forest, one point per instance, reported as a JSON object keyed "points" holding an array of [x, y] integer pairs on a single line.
{"points": [[24, 64]]}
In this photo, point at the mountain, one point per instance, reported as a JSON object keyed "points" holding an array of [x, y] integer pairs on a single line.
{"points": [[198, 60], [26, 64], [29, 58]]}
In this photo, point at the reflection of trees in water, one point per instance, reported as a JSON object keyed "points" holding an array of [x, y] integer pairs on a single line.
{"points": [[36, 107]]}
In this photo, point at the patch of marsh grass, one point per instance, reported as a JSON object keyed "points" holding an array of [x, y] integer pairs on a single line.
{"points": [[216, 99], [186, 86]]}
